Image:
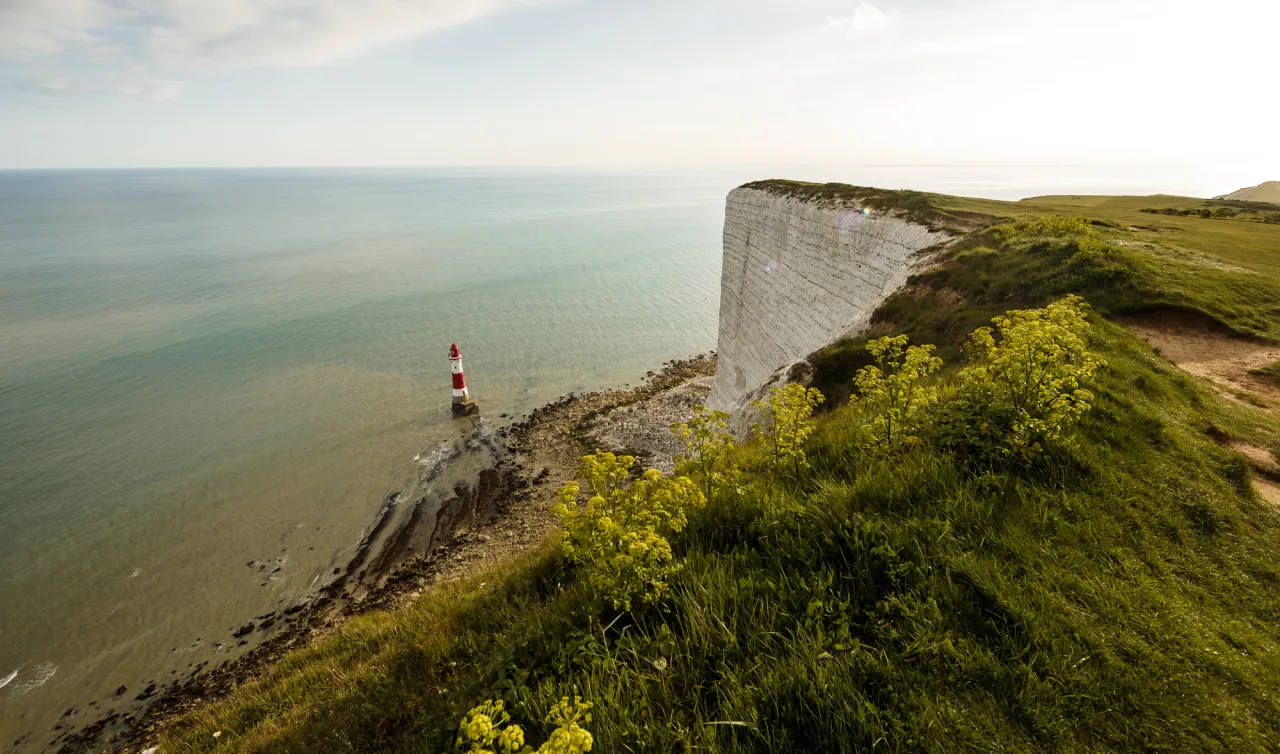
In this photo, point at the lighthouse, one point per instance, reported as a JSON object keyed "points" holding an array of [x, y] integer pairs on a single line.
{"points": [[462, 403]]}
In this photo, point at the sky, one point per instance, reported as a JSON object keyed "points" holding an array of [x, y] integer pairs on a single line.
{"points": [[166, 83]]}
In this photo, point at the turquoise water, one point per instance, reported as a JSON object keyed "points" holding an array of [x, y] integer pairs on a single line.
{"points": [[199, 369]]}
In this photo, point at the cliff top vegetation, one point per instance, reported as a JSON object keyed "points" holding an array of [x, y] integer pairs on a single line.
{"points": [[1105, 583]]}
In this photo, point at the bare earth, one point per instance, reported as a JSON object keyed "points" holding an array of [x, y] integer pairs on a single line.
{"points": [[1225, 361], [1220, 358]]}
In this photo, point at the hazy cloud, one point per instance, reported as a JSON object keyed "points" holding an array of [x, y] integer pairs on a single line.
{"points": [[241, 33], [34, 28], [133, 44], [866, 18]]}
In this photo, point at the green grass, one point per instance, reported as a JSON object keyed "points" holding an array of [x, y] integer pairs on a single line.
{"points": [[1118, 595], [1252, 246], [1270, 371]]}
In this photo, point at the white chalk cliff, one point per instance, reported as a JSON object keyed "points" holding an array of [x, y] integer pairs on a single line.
{"points": [[799, 274]]}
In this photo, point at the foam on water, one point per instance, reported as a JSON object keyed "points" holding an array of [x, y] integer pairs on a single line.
{"points": [[37, 678]]}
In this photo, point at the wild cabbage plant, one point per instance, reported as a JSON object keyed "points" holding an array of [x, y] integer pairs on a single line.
{"points": [[1029, 226], [893, 402], [787, 421], [487, 729], [1025, 381], [706, 444], [619, 537]]}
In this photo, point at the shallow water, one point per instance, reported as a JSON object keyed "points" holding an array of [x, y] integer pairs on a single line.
{"points": [[200, 370]]}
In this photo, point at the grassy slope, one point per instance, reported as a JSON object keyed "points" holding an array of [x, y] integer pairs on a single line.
{"points": [[1264, 192], [1120, 595]]}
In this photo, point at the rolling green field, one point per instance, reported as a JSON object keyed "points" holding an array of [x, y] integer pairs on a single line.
{"points": [[1236, 242], [1117, 593]]}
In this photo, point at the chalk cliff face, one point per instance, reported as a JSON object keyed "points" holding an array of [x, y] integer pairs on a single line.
{"points": [[799, 274]]}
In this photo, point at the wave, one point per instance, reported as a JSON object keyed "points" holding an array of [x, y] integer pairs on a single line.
{"points": [[39, 674], [5, 681], [436, 461]]}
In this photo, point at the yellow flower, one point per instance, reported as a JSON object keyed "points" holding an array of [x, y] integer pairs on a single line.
{"points": [[619, 537], [787, 422], [891, 397]]}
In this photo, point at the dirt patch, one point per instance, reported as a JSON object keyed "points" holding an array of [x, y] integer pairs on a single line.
{"points": [[1226, 360], [1260, 458], [1268, 490], [947, 298]]}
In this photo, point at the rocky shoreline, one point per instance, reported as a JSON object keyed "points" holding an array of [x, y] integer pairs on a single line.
{"points": [[501, 513]]}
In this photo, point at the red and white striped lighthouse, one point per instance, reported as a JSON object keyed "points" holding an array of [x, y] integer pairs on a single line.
{"points": [[462, 403]]}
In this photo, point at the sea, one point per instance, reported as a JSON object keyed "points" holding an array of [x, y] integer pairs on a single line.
{"points": [[205, 371]]}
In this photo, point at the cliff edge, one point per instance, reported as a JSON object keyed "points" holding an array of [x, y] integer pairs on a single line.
{"points": [[802, 269]]}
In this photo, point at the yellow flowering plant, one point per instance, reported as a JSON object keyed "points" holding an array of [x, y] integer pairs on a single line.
{"points": [[706, 443], [893, 402], [787, 421], [1055, 226], [487, 729], [569, 737], [619, 536], [1025, 381]]}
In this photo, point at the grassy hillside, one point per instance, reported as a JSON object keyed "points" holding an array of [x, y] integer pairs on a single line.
{"points": [[1263, 192], [1120, 593]]}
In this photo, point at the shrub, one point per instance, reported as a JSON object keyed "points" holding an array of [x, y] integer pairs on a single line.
{"points": [[893, 403], [788, 420], [1029, 226], [1093, 264], [1024, 383], [619, 537], [706, 442], [487, 729]]}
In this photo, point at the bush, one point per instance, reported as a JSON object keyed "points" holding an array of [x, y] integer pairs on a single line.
{"points": [[620, 536], [788, 421], [1029, 226], [1024, 383], [893, 403]]}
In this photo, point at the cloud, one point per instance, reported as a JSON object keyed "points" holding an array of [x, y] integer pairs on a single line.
{"points": [[249, 33], [34, 28], [138, 85], [131, 41], [866, 18]]}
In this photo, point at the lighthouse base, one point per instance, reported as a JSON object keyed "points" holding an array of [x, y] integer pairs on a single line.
{"points": [[467, 407]]}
